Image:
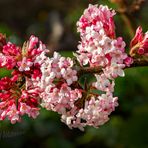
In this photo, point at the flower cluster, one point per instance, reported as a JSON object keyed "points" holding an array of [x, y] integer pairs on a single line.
{"points": [[100, 48], [56, 83], [17, 94], [57, 76], [139, 44], [62, 93]]}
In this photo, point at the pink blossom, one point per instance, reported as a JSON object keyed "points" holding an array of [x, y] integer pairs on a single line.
{"points": [[18, 94], [98, 47], [11, 49], [3, 60], [25, 64], [69, 75], [9, 56], [103, 83], [128, 61], [114, 70], [13, 114], [95, 112], [32, 42], [93, 15]]}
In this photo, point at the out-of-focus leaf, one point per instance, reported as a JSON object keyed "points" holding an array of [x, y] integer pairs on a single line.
{"points": [[4, 72], [5, 29], [66, 53], [86, 80]]}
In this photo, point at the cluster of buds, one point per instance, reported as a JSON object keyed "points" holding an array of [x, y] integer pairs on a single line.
{"points": [[139, 44], [57, 83], [18, 96]]}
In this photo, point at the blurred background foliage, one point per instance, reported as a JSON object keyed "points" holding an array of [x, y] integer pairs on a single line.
{"points": [[54, 22]]}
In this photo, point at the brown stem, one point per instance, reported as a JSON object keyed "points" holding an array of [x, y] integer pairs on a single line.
{"points": [[97, 70], [84, 70], [139, 63]]}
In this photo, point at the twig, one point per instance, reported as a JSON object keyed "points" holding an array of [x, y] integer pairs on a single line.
{"points": [[139, 63], [85, 70], [98, 69]]}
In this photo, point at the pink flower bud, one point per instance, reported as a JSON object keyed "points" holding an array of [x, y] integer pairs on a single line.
{"points": [[140, 51], [139, 44], [128, 61], [138, 37]]}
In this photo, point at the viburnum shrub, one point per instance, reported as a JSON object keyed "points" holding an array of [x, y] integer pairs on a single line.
{"points": [[80, 89]]}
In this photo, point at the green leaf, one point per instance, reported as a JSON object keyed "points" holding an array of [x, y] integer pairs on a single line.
{"points": [[86, 80], [66, 53], [4, 72]]}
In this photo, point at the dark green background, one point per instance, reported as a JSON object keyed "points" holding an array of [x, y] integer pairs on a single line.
{"points": [[128, 126]]}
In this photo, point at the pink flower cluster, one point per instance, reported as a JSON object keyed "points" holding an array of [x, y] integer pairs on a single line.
{"points": [[139, 44], [54, 82], [61, 93], [57, 76], [98, 48], [17, 94]]}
